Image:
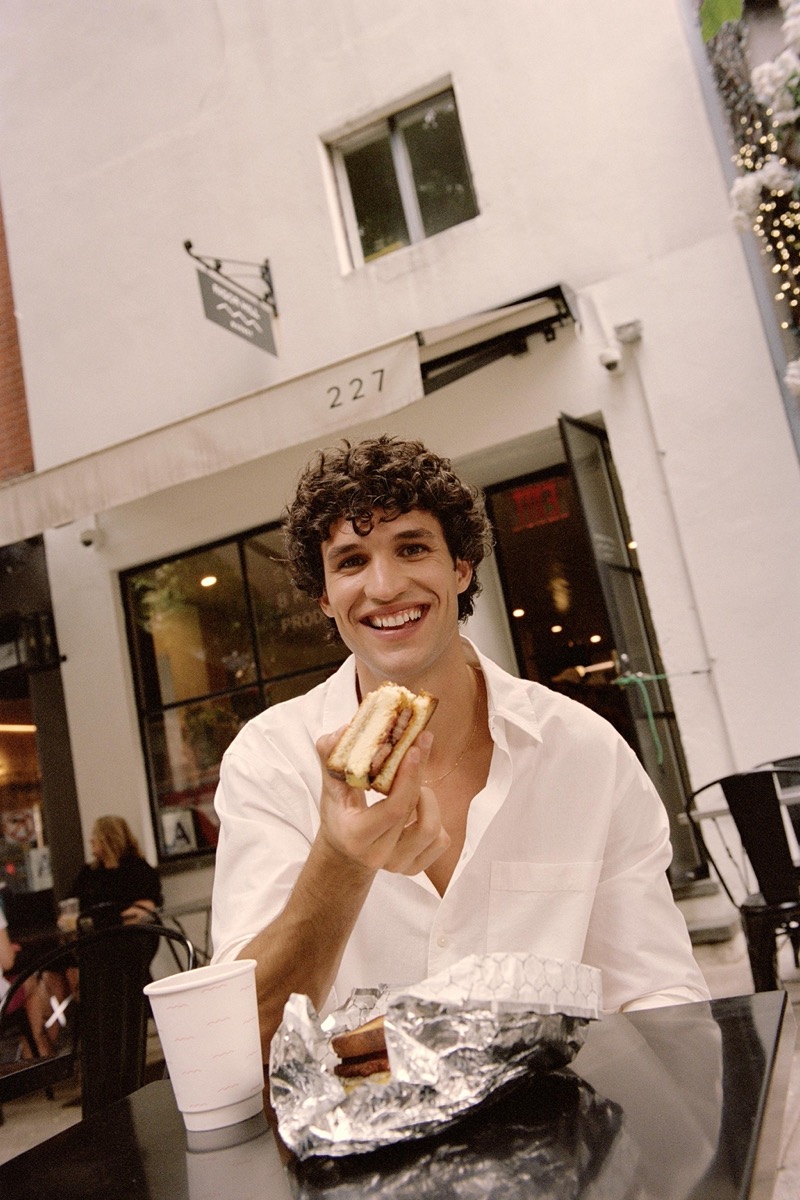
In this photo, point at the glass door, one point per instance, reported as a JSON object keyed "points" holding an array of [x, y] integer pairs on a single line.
{"points": [[640, 671]]}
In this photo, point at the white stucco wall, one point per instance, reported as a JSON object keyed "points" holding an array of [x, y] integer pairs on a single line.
{"points": [[127, 128]]}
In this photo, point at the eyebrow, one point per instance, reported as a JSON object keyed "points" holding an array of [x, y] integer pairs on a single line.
{"points": [[335, 553]]}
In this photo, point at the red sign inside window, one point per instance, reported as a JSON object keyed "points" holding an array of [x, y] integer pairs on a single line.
{"points": [[538, 504]]}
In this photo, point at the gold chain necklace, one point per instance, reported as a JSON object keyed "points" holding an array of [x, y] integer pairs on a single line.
{"points": [[462, 755]]}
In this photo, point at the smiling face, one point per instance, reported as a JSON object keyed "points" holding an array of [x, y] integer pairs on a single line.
{"points": [[393, 594]]}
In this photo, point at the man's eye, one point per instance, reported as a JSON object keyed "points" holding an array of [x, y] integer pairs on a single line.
{"points": [[346, 564], [413, 549]]}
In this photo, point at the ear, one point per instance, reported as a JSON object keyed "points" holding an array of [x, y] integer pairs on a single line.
{"points": [[324, 605], [464, 573]]}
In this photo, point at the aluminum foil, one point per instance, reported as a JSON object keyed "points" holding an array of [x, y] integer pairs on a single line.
{"points": [[452, 1040], [549, 1136]]}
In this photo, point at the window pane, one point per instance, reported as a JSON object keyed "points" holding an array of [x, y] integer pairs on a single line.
{"points": [[293, 633], [215, 636], [376, 198], [287, 689], [439, 164], [190, 624], [24, 859], [185, 746]]}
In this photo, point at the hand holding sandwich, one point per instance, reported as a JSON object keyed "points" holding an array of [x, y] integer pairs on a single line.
{"points": [[401, 833]]}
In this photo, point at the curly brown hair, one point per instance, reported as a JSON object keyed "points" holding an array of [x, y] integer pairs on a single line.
{"points": [[351, 481]]}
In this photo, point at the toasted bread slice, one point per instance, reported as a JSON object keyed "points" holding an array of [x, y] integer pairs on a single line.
{"points": [[372, 747], [367, 1039]]}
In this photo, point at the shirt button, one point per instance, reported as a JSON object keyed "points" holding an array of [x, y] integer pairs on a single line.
{"points": [[441, 941]]}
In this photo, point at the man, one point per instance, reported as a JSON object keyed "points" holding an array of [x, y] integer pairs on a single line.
{"points": [[518, 821]]}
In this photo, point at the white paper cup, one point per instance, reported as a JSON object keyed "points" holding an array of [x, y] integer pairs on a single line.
{"points": [[207, 1021]]}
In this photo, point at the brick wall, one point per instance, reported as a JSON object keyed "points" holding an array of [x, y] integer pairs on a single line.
{"points": [[16, 452]]}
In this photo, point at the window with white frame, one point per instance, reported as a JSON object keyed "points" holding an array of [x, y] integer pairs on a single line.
{"points": [[404, 178]]}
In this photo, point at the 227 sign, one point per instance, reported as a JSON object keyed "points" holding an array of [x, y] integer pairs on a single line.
{"points": [[356, 389]]}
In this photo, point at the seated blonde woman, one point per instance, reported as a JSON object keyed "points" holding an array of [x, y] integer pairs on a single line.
{"points": [[118, 875]]}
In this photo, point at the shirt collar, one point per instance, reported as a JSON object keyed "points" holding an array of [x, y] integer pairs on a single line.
{"points": [[509, 698]]}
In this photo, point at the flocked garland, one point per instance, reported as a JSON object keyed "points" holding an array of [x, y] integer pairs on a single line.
{"points": [[764, 109]]}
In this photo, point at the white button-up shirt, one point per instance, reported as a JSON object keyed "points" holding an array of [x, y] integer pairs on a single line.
{"points": [[565, 855]]}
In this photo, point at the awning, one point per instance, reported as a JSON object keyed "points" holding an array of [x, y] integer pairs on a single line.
{"points": [[449, 352], [308, 407], [317, 404]]}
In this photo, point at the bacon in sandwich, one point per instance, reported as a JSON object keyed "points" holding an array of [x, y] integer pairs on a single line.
{"points": [[363, 1053], [371, 749]]}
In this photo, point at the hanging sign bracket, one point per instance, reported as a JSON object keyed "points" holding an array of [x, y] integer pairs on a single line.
{"points": [[220, 267]]}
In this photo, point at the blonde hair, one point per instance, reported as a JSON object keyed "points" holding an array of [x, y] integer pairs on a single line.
{"points": [[115, 836]]}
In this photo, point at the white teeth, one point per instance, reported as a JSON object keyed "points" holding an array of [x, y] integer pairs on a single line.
{"points": [[396, 619]]}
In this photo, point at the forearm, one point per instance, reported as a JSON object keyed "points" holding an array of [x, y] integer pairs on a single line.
{"points": [[139, 910], [300, 951]]}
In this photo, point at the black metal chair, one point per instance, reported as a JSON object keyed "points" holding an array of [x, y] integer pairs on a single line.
{"points": [[759, 875], [788, 766], [108, 1034]]}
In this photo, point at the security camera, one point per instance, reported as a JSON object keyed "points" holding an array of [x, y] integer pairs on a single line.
{"points": [[89, 537], [611, 359]]}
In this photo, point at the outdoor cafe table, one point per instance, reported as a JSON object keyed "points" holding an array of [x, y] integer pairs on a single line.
{"points": [[666, 1103]]}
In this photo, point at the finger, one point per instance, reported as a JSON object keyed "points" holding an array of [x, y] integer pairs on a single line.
{"points": [[399, 809], [422, 840], [326, 743], [407, 784], [428, 856], [335, 790]]}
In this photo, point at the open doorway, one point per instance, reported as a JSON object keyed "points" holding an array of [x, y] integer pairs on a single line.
{"points": [[578, 611], [560, 627]]}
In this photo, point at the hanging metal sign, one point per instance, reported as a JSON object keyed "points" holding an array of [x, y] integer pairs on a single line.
{"points": [[240, 313], [233, 306]]}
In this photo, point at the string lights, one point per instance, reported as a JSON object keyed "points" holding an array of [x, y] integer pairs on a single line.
{"points": [[763, 105], [774, 210]]}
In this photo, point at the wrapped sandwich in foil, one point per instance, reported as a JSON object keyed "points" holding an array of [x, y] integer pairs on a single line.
{"points": [[452, 1040]]}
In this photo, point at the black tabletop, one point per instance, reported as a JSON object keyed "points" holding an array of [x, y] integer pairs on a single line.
{"points": [[670, 1103]]}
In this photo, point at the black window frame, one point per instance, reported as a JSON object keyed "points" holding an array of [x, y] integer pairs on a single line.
{"points": [[392, 127], [150, 707]]}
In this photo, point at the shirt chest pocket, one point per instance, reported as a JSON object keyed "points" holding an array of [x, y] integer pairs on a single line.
{"points": [[542, 908]]}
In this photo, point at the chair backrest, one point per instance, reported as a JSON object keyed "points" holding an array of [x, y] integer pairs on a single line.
{"points": [[754, 803], [112, 1012]]}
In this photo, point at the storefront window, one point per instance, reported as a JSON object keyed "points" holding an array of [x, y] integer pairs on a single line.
{"points": [[292, 633], [216, 636], [24, 858]]}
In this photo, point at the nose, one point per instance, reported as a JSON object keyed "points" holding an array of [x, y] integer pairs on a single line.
{"points": [[385, 578]]}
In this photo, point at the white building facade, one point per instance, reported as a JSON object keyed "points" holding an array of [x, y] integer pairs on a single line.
{"points": [[128, 129]]}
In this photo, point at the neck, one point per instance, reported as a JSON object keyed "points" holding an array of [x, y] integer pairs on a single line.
{"points": [[442, 677], [456, 732]]}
